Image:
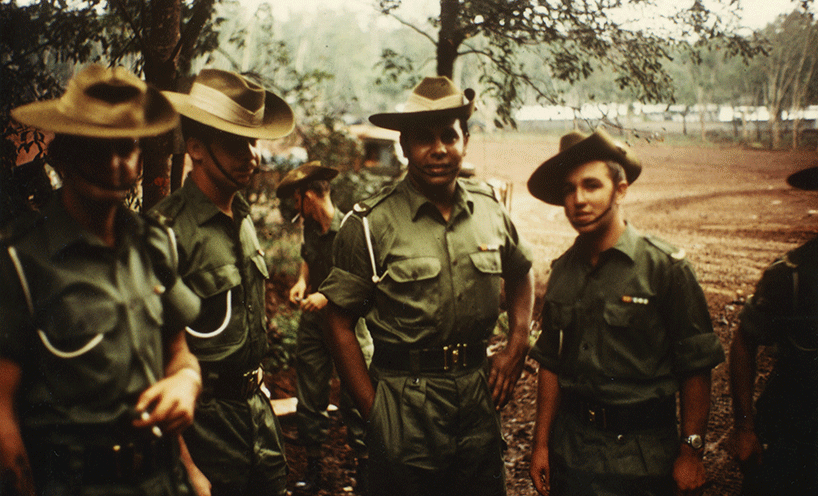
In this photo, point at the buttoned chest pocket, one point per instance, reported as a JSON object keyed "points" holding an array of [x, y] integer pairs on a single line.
{"points": [[634, 342], [482, 288], [411, 292], [220, 290]]}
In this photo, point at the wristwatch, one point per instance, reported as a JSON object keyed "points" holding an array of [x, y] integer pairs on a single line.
{"points": [[694, 441]]}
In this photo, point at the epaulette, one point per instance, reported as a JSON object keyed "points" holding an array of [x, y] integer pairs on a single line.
{"points": [[478, 187], [363, 207], [158, 218], [665, 247]]}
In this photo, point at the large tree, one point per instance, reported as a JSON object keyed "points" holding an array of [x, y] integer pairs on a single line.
{"points": [[571, 39], [42, 40]]}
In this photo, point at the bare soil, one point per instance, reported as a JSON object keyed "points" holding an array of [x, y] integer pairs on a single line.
{"points": [[729, 208]]}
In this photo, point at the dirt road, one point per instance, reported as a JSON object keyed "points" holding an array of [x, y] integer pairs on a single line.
{"points": [[728, 208]]}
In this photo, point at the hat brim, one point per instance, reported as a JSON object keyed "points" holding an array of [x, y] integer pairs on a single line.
{"points": [[806, 179], [45, 115], [546, 181], [278, 120], [399, 120], [287, 187]]}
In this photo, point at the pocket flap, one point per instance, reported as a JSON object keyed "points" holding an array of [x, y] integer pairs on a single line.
{"points": [[414, 269], [487, 262], [207, 283]]}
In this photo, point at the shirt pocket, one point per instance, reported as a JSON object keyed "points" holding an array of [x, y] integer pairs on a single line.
{"points": [[634, 342], [220, 290], [483, 289], [411, 292]]}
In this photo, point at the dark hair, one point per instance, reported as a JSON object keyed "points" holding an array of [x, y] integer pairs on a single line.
{"points": [[195, 129], [318, 186]]}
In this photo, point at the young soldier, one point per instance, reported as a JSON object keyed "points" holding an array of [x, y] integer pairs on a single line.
{"points": [[424, 263], [778, 446], [309, 187], [96, 379], [235, 442], [624, 326]]}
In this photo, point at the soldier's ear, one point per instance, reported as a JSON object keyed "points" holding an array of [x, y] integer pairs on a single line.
{"points": [[621, 191], [195, 148]]}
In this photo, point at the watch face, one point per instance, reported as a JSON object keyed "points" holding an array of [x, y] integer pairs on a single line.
{"points": [[695, 441]]}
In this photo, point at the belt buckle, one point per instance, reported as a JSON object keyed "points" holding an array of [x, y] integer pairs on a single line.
{"points": [[456, 358], [596, 417]]}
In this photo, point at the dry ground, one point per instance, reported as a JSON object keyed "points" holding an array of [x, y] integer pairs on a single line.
{"points": [[728, 207]]}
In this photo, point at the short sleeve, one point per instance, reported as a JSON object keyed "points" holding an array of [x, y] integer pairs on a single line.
{"points": [[695, 345], [349, 284], [769, 305], [182, 305], [517, 259]]}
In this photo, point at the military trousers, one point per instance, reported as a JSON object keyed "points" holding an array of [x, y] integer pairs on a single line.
{"points": [[239, 447], [314, 371], [434, 434]]}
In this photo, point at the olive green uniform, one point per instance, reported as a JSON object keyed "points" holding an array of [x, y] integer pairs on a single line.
{"points": [[438, 284], [235, 438], [621, 336], [89, 341], [313, 360], [784, 312]]}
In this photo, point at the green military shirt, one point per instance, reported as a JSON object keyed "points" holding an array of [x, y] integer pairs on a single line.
{"points": [[317, 248], [437, 282], [221, 260], [92, 340], [628, 329]]}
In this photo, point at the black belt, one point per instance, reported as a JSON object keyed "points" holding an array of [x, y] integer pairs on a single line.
{"points": [[651, 414], [230, 386], [81, 463], [460, 356]]}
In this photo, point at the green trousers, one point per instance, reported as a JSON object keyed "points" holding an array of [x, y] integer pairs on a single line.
{"points": [[314, 371]]}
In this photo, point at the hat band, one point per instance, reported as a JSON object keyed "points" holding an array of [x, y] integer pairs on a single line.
{"points": [[216, 103], [101, 113], [417, 103]]}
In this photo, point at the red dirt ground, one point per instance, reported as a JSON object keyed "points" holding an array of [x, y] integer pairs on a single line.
{"points": [[728, 207]]}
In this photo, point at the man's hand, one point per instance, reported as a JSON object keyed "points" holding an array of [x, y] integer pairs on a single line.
{"points": [[313, 302], [297, 291], [540, 470], [747, 449], [506, 368], [689, 473], [170, 402]]}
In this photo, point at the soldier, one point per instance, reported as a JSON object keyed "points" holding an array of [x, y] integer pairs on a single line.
{"points": [[424, 263], [624, 327], [95, 376], [309, 187], [778, 446], [235, 445]]}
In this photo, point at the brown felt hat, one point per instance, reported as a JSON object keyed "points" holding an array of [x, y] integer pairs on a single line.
{"points": [[303, 175], [804, 179], [576, 149], [230, 102], [102, 102], [432, 98]]}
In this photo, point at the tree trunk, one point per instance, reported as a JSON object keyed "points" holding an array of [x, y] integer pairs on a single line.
{"points": [[449, 38], [160, 70]]}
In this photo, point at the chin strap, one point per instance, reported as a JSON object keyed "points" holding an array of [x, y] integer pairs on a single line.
{"points": [[220, 167]]}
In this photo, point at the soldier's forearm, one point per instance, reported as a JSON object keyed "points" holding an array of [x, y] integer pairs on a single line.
{"points": [[520, 300], [742, 380]]}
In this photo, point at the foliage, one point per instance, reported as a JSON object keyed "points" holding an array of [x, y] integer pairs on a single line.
{"points": [[513, 40], [282, 332]]}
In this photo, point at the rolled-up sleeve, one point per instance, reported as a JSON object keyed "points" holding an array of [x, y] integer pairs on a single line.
{"points": [[695, 345], [349, 284]]}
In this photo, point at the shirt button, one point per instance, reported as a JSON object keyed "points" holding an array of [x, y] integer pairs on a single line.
{"points": [[585, 346]]}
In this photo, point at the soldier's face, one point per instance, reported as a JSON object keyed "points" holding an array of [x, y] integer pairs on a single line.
{"points": [[238, 155], [590, 197], [106, 169], [435, 153]]}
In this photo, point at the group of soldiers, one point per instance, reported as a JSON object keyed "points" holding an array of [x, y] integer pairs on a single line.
{"points": [[130, 345]]}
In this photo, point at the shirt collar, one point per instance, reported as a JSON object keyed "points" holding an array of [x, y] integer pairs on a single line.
{"points": [[463, 201], [65, 232], [626, 244], [203, 207]]}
